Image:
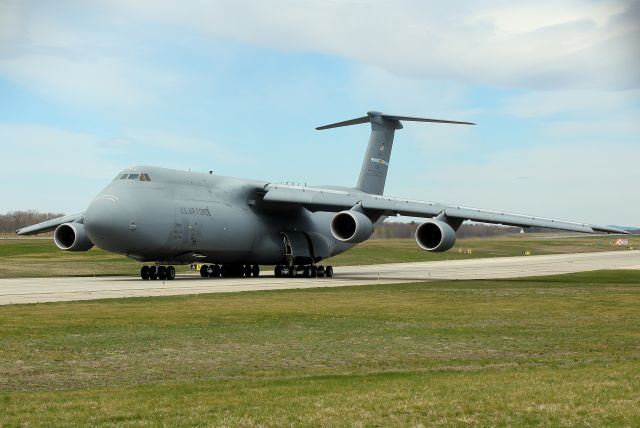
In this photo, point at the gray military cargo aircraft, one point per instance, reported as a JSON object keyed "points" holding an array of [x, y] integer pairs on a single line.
{"points": [[164, 217]]}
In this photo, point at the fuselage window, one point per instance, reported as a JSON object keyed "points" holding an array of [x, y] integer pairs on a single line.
{"points": [[133, 176], [144, 177], [123, 177]]}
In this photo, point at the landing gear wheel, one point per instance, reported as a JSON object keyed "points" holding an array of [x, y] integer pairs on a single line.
{"points": [[292, 272], [320, 270], [246, 270], [255, 271], [162, 272], [307, 272], [153, 273], [314, 272], [204, 271], [215, 271], [171, 273], [144, 272], [328, 271], [299, 271], [277, 271]]}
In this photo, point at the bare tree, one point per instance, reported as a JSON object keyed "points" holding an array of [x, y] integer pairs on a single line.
{"points": [[14, 220]]}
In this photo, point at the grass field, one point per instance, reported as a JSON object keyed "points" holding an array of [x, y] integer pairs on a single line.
{"points": [[552, 351], [40, 257]]}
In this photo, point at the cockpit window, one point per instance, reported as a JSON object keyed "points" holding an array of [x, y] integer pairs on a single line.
{"points": [[142, 177]]}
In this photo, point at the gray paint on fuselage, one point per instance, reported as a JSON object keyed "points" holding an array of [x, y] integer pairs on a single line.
{"points": [[183, 216]]}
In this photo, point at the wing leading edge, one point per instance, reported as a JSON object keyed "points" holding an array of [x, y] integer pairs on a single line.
{"points": [[49, 225], [323, 199]]}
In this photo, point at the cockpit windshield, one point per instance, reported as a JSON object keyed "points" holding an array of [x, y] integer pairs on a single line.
{"points": [[140, 177]]}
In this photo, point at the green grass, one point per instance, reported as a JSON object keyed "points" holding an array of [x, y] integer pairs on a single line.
{"points": [[561, 350], [40, 257]]}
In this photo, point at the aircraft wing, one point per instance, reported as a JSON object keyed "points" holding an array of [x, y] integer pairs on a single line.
{"points": [[49, 225], [325, 199]]}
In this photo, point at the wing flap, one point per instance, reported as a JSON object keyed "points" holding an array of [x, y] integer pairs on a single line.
{"points": [[49, 225]]}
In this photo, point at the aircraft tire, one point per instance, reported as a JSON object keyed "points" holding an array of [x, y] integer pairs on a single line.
{"points": [[204, 271], [255, 271], [153, 272], [320, 271], [292, 271], [277, 271], [307, 272], [246, 270], [171, 273], [314, 271], [215, 271], [162, 272], [144, 272], [328, 271]]}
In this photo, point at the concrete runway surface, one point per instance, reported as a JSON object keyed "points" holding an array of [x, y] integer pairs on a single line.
{"points": [[34, 290]]}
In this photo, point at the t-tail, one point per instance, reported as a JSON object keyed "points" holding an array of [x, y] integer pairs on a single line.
{"points": [[375, 164]]}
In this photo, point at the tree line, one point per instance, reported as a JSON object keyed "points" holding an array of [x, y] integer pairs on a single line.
{"points": [[14, 220], [388, 230]]}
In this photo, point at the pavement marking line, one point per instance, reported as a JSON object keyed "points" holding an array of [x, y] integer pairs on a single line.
{"points": [[34, 290]]}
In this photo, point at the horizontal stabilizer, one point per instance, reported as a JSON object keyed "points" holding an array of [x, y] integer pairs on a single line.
{"points": [[356, 121], [392, 117]]}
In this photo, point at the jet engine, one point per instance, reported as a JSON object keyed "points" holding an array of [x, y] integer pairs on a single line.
{"points": [[435, 235], [351, 226], [72, 237]]}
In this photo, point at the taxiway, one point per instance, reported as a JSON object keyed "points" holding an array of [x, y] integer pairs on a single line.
{"points": [[35, 290]]}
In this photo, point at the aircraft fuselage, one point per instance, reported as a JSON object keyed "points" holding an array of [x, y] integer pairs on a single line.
{"points": [[173, 217]]}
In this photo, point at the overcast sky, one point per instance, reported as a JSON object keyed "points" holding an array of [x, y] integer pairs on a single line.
{"points": [[237, 87]]}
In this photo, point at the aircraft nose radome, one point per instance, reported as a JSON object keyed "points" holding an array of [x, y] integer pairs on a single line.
{"points": [[106, 222]]}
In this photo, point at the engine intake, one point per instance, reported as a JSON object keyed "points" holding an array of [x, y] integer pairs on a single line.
{"points": [[351, 226], [72, 237], [435, 235]]}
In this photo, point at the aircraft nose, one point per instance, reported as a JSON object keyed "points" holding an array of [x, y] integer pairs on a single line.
{"points": [[106, 223]]}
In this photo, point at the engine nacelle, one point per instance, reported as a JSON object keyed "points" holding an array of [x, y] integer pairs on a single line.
{"points": [[351, 226], [72, 237], [435, 235]]}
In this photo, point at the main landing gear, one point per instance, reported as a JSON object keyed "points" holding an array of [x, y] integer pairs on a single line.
{"points": [[227, 271], [158, 272], [303, 271]]}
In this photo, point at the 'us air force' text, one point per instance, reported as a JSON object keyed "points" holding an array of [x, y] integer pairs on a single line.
{"points": [[194, 211]]}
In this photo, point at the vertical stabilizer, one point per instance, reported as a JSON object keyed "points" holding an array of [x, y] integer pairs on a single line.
{"points": [[373, 173]]}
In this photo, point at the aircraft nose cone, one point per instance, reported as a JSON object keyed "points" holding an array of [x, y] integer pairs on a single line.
{"points": [[106, 223]]}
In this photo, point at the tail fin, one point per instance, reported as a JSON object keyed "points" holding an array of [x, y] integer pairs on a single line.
{"points": [[373, 173]]}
